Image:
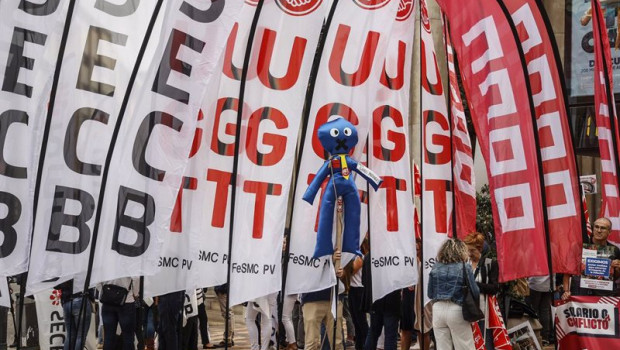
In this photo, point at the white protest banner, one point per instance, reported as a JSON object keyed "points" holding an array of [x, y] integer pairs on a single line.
{"points": [[283, 50], [51, 322], [102, 48], [153, 147], [587, 322], [30, 36], [392, 236], [437, 185], [347, 81]]}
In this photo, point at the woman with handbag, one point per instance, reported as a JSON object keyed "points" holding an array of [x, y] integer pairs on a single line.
{"points": [[454, 294], [118, 307], [486, 275]]}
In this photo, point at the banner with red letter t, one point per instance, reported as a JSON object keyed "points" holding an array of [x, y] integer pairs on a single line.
{"points": [[437, 199], [556, 146], [606, 122], [391, 207], [284, 45], [495, 85], [347, 82]]}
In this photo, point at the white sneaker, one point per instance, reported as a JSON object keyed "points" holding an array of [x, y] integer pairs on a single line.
{"points": [[416, 346]]}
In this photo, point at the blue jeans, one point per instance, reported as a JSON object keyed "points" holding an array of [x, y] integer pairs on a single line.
{"points": [[112, 316], [379, 320], [76, 329], [170, 308]]}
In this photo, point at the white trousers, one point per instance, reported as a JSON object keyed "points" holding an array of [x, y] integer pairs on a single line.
{"points": [[287, 319], [251, 312], [450, 327]]}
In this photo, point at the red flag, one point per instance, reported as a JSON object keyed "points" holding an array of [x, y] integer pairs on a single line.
{"points": [[556, 146], [586, 215], [478, 338], [501, 341], [494, 81], [606, 122], [462, 159]]}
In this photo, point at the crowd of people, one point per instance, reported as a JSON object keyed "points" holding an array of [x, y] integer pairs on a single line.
{"points": [[307, 320]]}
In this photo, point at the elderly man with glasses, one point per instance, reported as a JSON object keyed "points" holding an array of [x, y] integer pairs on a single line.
{"points": [[598, 242]]}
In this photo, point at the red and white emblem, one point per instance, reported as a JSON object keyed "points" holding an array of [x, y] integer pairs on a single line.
{"points": [[405, 8], [55, 297], [371, 4], [298, 7], [345, 171]]}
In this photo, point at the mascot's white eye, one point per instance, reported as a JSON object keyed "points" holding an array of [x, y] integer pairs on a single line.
{"points": [[347, 131], [334, 132]]}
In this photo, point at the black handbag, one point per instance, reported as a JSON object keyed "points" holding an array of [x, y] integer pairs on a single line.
{"points": [[471, 306], [114, 295]]}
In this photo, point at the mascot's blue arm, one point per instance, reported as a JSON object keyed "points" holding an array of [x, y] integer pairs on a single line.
{"points": [[373, 179], [314, 186]]}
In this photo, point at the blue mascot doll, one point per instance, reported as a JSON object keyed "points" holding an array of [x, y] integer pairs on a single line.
{"points": [[338, 137]]}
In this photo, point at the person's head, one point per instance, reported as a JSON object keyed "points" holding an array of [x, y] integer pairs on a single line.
{"points": [[475, 244], [452, 251], [601, 229]]}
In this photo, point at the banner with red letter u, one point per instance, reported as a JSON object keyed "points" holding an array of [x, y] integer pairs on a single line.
{"points": [[159, 128], [284, 46], [556, 146], [606, 122], [391, 207], [437, 199], [495, 86], [349, 74], [102, 49], [30, 38]]}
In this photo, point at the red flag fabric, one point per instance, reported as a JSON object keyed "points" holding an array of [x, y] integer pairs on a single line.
{"points": [[586, 215], [495, 85], [501, 341], [462, 159], [478, 338], [556, 146], [606, 122]]}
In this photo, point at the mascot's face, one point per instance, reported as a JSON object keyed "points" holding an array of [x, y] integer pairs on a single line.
{"points": [[338, 136]]}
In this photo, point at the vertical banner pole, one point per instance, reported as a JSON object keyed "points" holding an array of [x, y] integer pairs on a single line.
{"points": [[233, 184], [421, 114], [305, 117]]}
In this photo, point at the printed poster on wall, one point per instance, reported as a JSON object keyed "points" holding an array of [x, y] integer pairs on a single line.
{"points": [[580, 46]]}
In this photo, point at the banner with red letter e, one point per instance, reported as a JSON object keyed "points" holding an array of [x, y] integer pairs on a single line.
{"points": [[391, 207], [556, 146], [606, 123], [437, 199], [586, 322], [284, 46], [30, 38], [495, 86], [347, 82]]}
